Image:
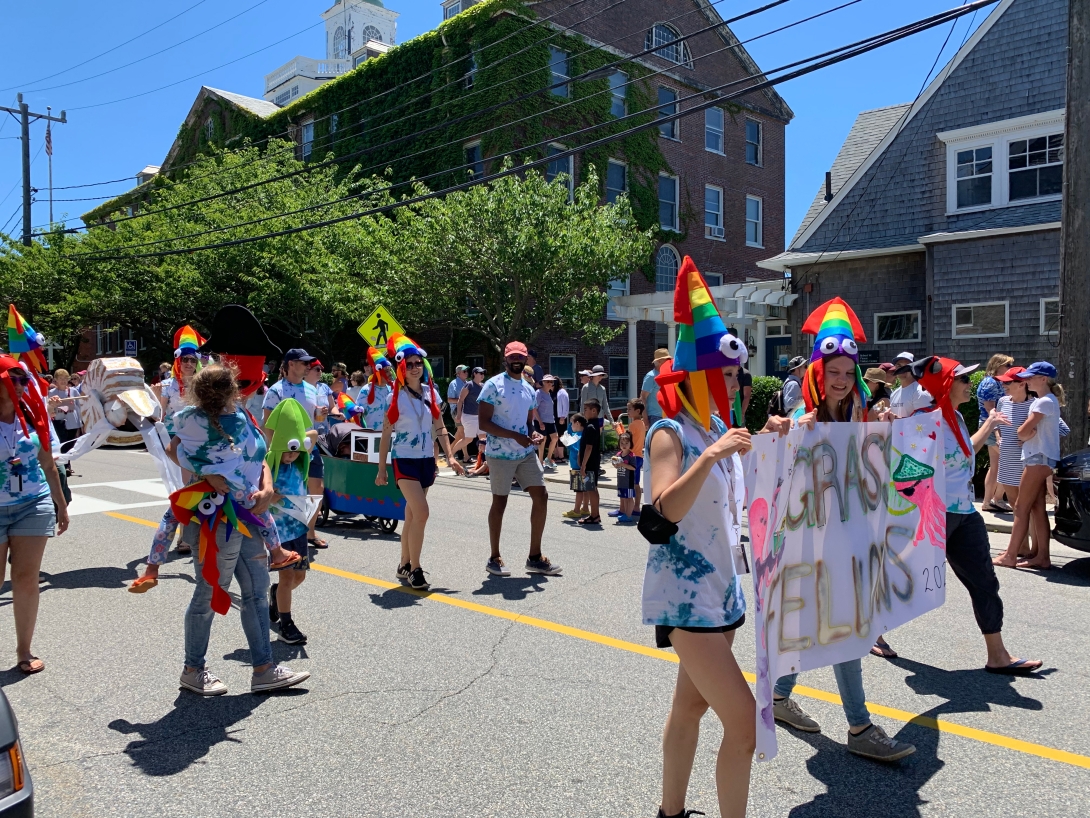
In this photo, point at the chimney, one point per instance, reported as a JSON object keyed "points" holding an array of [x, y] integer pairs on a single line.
{"points": [[828, 185]]}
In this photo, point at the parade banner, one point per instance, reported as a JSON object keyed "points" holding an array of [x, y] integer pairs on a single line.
{"points": [[847, 524]]}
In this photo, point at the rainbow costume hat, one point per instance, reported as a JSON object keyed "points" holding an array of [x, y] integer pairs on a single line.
{"points": [[837, 331], [400, 347], [382, 373], [289, 422], [24, 342], [703, 348], [937, 375], [187, 341]]}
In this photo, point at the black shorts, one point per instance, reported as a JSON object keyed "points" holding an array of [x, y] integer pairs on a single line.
{"points": [[300, 546], [547, 428], [662, 632], [317, 466], [420, 469]]}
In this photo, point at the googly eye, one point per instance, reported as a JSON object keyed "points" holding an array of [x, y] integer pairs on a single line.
{"points": [[399, 357], [730, 346], [217, 498], [177, 353], [828, 346], [936, 367], [39, 338], [206, 507], [308, 444], [423, 354], [293, 445], [849, 346]]}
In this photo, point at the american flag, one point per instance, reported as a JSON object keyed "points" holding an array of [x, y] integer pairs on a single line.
{"points": [[48, 140]]}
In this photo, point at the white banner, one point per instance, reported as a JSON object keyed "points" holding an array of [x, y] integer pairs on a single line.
{"points": [[847, 524], [302, 506]]}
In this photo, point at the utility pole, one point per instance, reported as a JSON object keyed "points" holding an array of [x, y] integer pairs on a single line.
{"points": [[25, 118], [1074, 354]]}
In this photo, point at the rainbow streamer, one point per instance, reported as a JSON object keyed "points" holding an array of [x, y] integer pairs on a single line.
{"points": [[24, 341]]}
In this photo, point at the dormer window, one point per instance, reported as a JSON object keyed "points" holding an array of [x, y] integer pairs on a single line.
{"points": [[671, 50]]}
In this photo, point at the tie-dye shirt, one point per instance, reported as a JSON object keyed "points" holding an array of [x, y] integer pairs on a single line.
{"points": [[691, 582], [303, 392], [290, 482], [412, 438], [21, 477], [960, 492], [171, 390], [204, 451], [512, 401], [374, 413]]}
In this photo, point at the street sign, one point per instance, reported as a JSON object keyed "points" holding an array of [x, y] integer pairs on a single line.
{"points": [[378, 327], [130, 348]]}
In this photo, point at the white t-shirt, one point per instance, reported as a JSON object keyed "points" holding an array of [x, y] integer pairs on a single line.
{"points": [[303, 392], [412, 432], [512, 401], [906, 400], [1047, 439]]}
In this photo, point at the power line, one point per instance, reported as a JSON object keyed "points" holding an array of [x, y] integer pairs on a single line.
{"points": [[825, 60], [18, 207]]}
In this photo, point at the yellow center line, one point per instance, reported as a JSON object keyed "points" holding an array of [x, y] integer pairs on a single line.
{"points": [[941, 725]]}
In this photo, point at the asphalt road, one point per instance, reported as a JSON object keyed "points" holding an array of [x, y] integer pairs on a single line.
{"points": [[446, 705]]}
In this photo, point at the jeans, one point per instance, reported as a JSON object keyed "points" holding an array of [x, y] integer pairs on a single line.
{"points": [[849, 680], [970, 559], [246, 559]]}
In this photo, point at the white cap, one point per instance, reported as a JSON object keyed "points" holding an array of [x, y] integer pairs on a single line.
{"points": [[905, 356]]}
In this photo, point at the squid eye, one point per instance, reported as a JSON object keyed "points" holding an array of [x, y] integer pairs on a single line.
{"points": [[828, 346], [206, 507], [177, 353], [936, 367], [308, 444], [399, 357], [730, 346], [423, 354], [217, 498], [849, 346], [293, 445]]}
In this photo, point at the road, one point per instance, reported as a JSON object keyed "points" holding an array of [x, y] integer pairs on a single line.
{"points": [[527, 696]]}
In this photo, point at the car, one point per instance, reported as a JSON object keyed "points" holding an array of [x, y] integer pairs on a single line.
{"points": [[16, 788], [1072, 526]]}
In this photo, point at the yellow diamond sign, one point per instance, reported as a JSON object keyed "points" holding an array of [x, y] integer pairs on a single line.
{"points": [[378, 327]]}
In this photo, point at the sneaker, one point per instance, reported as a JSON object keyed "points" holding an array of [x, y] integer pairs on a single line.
{"points": [[541, 565], [290, 633], [549, 467], [788, 711], [874, 743], [276, 677], [616, 513], [202, 682], [572, 514], [403, 571], [274, 612], [417, 580], [496, 567]]}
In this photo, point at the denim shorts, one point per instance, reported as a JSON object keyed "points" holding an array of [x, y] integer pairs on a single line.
{"points": [[34, 518], [1039, 460]]}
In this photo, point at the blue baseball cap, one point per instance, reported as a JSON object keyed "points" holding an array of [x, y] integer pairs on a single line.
{"points": [[1039, 368], [297, 354]]}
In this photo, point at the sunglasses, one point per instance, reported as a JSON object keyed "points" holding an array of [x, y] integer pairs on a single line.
{"points": [[962, 379], [516, 359], [19, 380], [414, 365], [188, 359]]}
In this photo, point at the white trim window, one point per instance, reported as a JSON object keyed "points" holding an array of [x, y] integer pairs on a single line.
{"points": [[209, 129], [754, 143], [713, 130], [559, 73], [667, 263], [1004, 164], [668, 202], [558, 168], [616, 180], [671, 50], [334, 123], [474, 160], [618, 379], [713, 279], [306, 139], [668, 107], [755, 229], [990, 319], [713, 213], [618, 94], [897, 327], [1050, 317], [618, 288]]}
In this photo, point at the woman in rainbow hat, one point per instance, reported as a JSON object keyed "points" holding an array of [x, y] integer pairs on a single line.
{"points": [[692, 593], [187, 363]]}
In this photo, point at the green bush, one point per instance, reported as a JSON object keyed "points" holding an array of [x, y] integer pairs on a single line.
{"points": [[764, 386]]}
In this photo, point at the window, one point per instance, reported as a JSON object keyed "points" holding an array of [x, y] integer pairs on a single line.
{"points": [[617, 289], [294, 91], [209, 129], [1036, 166], [559, 73], [618, 380], [713, 279], [616, 180], [559, 167], [471, 73], [671, 50], [754, 222], [474, 160], [713, 130], [753, 142], [668, 216], [988, 320], [474, 361], [666, 267], [339, 44], [668, 107], [283, 97], [896, 327], [438, 366], [974, 177], [371, 33], [713, 212], [334, 122], [618, 93], [306, 136], [563, 366], [1050, 316]]}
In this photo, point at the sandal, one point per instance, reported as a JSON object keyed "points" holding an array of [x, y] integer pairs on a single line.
{"points": [[590, 521], [142, 584], [995, 508], [293, 558], [317, 542], [883, 650], [27, 666], [1023, 667]]}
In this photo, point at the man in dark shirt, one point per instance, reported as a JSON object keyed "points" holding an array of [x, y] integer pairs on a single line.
{"points": [[590, 460], [745, 383]]}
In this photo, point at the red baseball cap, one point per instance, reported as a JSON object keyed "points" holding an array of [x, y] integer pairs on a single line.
{"points": [[515, 348], [1010, 376]]}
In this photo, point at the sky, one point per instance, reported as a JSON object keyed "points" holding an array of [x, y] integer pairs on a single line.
{"points": [[53, 53]]}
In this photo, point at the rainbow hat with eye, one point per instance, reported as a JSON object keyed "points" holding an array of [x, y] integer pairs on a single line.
{"points": [[837, 331]]}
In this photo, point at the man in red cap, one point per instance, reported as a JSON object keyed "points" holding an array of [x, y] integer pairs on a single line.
{"points": [[506, 406]]}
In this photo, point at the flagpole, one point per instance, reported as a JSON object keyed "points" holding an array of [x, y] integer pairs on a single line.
{"points": [[49, 140]]}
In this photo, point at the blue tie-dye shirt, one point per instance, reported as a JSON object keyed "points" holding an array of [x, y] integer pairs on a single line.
{"points": [[374, 413], [290, 482], [204, 451], [21, 476], [412, 437], [690, 582], [512, 401]]}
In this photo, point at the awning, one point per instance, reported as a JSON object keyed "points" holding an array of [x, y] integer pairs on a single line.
{"points": [[728, 297]]}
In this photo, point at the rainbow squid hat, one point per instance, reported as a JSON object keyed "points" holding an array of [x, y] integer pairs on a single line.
{"points": [[24, 342], [400, 347], [838, 332], [187, 341], [703, 348], [382, 372], [936, 375], [289, 422]]}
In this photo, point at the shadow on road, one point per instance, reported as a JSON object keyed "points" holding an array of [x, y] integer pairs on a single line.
{"points": [[189, 731], [512, 588], [109, 577], [394, 598], [1073, 572]]}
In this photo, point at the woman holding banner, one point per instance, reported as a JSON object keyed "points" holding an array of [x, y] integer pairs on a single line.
{"points": [[834, 392]]}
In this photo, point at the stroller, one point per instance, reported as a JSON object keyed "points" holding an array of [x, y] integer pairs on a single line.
{"points": [[350, 455]]}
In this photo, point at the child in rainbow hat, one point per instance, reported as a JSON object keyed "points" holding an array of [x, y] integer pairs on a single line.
{"points": [[838, 333]]}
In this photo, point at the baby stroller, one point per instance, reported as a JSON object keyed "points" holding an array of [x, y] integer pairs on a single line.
{"points": [[350, 455]]}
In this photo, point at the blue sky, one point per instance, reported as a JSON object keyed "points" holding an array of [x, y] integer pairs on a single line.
{"points": [[114, 141]]}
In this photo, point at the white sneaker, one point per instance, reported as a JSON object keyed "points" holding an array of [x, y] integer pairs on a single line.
{"points": [[275, 678], [202, 682]]}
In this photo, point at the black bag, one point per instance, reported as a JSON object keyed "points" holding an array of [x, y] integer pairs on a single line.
{"points": [[655, 528]]}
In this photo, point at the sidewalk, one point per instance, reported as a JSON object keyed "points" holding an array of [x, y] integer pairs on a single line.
{"points": [[1003, 523]]}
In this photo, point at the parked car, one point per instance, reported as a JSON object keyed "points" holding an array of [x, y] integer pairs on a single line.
{"points": [[1073, 501], [16, 788]]}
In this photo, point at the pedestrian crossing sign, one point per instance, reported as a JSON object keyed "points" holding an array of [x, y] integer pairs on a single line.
{"points": [[379, 327]]}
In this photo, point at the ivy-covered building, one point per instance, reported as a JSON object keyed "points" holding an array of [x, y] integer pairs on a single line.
{"points": [[711, 184]]}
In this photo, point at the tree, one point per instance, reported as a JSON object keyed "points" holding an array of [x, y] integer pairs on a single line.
{"points": [[515, 258]]}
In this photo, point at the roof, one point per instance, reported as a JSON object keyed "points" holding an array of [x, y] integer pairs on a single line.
{"points": [[870, 128], [258, 107], [255, 107]]}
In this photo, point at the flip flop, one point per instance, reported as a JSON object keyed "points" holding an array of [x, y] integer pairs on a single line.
{"points": [[142, 584], [883, 651], [291, 560], [1020, 668], [28, 668], [318, 542]]}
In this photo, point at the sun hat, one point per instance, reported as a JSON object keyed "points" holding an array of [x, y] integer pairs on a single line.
{"points": [[661, 354], [584, 372], [516, 348], [875, 374], [795, 363], [598, 369], [240, 340], [1043, 368], [837, 331], [550, 378]]}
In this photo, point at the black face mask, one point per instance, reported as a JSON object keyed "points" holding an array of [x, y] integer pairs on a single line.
{"points": [[515, 368]]}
